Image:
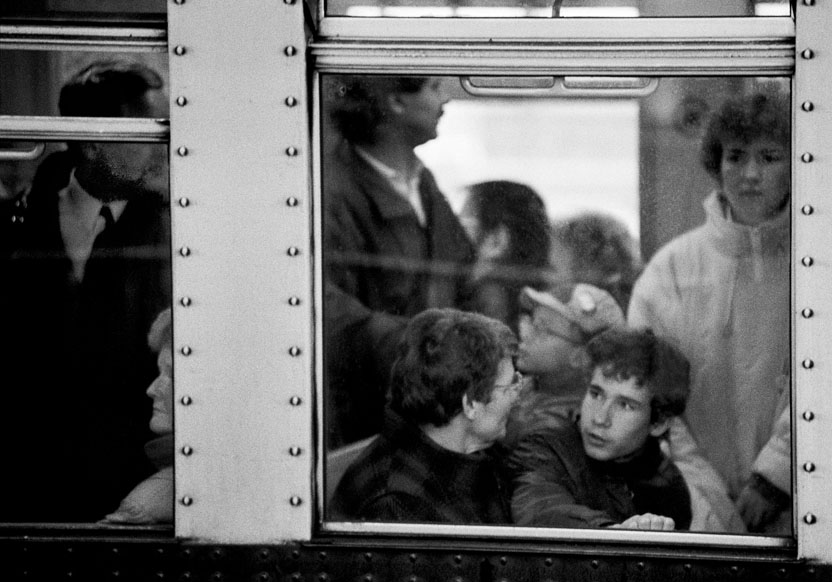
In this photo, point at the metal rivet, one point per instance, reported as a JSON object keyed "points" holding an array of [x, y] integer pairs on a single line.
{"points": [[594, 563], [294, 500], [186, 401], [185, 350], [187, 451], [186, 501], [548, 561], [808, 54], [807, 106], [291, 101], [807, 312], [808, 416], [807, 261], [368, 556], [807, 209], [184, 202], [291, 151], [808, 2], [412, 558], [503, 560], [289, 2], [179, 2], [179, 50], [295, 451], [458, 559], [294, 301], [292, 201], [185, 251], [291, 51], [810, 518], [185, 301], [640, 565], [294, 351], [182, 151], [808, 363], [295, 401], [806, 157], [181, 101], [809, 467], [293, 251]]}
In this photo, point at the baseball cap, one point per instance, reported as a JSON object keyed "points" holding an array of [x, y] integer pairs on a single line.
{"points": [[589, 311]]}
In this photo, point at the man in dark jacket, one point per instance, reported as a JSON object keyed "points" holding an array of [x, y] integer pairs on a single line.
{"points": [[608, 469], [85, 268], [392, 245], [453, 385]]}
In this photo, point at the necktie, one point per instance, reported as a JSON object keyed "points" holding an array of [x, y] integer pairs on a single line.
{"points": [[108, 216]]}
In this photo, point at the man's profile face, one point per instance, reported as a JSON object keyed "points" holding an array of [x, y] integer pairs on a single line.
{"points": [[420, 111], [615, 418], [123, 171]]}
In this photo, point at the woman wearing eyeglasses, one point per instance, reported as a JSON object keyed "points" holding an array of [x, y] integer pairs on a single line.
{"points": [[453, 386]]}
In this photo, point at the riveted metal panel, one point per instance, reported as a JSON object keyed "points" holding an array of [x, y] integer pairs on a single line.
{"points": [[241, 252], [812, 221]]}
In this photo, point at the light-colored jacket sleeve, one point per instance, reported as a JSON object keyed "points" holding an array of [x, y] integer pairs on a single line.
{"points": [[652, 305], [774, 460], [711, 507]]}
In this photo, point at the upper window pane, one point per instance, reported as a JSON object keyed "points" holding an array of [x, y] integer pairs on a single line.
{"points": [[85, 271], [556, 9], [563, 208]]}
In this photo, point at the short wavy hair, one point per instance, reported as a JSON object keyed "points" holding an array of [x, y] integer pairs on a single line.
{"points": [[624, 353], [357, 103], [443, 355], [765, 114]]}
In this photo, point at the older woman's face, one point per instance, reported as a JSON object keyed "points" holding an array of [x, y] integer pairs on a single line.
{"points": [[161, 391], [756, 179]]}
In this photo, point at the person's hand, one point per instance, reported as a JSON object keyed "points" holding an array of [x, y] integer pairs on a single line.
{"points": [[756, 510], [647, 521]]}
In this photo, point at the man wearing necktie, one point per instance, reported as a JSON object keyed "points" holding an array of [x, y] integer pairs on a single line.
{"points": [[85, 271]]}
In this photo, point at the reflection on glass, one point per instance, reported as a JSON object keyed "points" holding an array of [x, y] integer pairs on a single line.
{"points": [[666, 207], [85, 259], [556, 9]]}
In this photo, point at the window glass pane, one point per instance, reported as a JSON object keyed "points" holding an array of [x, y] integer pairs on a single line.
{"points": [[556, 9], [116, 8], [85, 271], [562, 207]]}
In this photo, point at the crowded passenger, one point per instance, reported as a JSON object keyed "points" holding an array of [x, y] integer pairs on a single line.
{"points": [[453, 385], [552, 351], [508, 225], [721, 293], [392, 245], [151, 501], [607, 469], [85, 269], [597, 249]]}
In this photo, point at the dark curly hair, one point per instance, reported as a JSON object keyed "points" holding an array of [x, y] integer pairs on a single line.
{"points": [[443, 355], [521, 210], [357, 103], [624, 353], [764, 114]]}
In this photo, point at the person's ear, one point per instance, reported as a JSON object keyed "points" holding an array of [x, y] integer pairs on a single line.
{"points": [[470, 408], [495, 244], [395, 103], [659, 427]]}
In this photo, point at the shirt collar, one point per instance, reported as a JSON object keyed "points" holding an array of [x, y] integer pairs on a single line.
{"points": [[84, 205]]}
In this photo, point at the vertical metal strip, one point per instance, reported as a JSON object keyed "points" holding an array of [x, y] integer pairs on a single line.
{"points": [[812, 271], [242, 257]]}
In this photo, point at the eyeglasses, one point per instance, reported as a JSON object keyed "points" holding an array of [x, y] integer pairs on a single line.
{"points": [[518, 380]]}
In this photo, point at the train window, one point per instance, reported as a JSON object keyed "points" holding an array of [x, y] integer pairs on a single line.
{"points": [[86, 293], [669, 203]]}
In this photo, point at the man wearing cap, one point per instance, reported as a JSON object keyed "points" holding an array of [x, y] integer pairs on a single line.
{"points": [[553, 332]]}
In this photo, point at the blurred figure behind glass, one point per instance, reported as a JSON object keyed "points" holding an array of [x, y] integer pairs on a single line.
{"points": [[85, 268]]}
